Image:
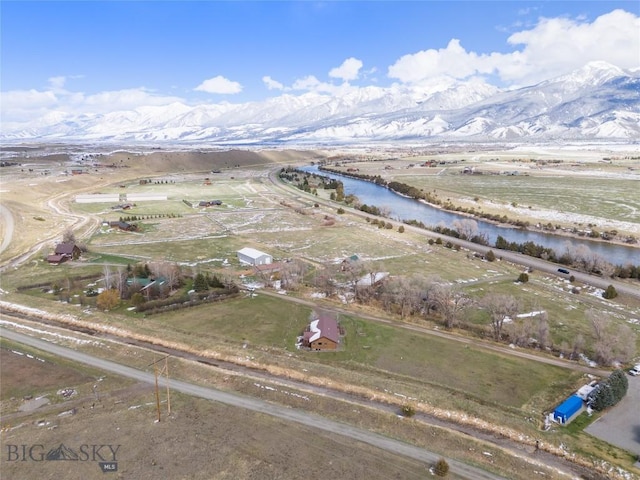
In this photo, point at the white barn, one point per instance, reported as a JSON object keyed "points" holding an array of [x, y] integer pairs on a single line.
{"points": [[251, 256]]}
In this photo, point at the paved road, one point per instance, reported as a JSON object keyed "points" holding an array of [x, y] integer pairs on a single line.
{"points": [[514, 257], [293, 415], [620, 426]]}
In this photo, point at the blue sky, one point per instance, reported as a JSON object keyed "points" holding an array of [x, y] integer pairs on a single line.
{"points": [[92, 56]]}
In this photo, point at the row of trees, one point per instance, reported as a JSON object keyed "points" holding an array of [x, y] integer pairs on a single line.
{"points": [[134, 283], [578, 257], [610, 391], [496, 315]]}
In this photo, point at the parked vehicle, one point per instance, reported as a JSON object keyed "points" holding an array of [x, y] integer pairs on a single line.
{"points": [[563, 270], [635, 370]]}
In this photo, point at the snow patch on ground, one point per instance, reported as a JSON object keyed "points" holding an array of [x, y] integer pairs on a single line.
{"points": [[51, 334]]}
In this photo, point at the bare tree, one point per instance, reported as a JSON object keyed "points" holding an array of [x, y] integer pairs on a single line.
{"points": [[466, 228], [68, 236], [500, 307], [292, 274], [578, 346], [613, 342], [120, 281], [449, 301], [354, 270], [586, 259], [170, 271], [324, 279], [543, 333], [599, 322], [408, 294], [107, 276]]}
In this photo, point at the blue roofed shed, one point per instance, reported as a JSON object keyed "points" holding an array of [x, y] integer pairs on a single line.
{"points": [[566, 410]]}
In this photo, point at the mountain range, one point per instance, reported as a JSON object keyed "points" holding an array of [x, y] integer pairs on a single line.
{"points": [[598, 101]]}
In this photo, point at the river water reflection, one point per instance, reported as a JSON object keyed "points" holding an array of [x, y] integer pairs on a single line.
{"points": [[402, 208]]}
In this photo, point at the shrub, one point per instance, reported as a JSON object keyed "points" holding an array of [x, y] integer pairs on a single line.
{"points": [[137, 299], [523, 278], [490, 256], [401, 229], [441, 468], [408, 410], [108, 299], [610, 292], [340, 211]]}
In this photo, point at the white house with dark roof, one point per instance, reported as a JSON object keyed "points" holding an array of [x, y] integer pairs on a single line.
{"points": [[251, 256]]}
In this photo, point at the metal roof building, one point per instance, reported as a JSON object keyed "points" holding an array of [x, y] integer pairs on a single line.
{"points": [[251, 256]]}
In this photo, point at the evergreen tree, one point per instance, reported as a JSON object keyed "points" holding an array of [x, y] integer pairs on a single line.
{"points": [[200, 283], [610, 293], [603, 398], [441, 468], [619, 385]]}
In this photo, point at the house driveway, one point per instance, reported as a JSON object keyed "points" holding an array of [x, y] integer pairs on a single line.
{"points": [[620, 426]]}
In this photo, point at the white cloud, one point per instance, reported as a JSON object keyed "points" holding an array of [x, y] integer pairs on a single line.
{"points": [[311, 84], [552, 47], [452, 61], [30, 105], [219, 84], [272, 84], [349, 69], [57, 83], [122, 100], [558, 45]]}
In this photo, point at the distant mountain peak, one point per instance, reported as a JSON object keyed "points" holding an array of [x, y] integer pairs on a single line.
{"points": [[597, 101]]}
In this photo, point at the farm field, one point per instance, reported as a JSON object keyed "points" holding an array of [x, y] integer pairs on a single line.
{"points": [[381, 356], [181, 444], [566, 188]]}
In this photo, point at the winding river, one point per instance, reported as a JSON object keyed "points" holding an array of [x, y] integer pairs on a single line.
{"points": [[402, 208]]}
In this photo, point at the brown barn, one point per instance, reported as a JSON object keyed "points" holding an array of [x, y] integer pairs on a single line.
{"points": [[322, 334], [64, 251]]}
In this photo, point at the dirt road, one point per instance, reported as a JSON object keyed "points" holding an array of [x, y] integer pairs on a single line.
{"points": [[298, 416]]}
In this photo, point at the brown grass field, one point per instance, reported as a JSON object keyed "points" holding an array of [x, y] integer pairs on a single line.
{"points": [[377, 360]]}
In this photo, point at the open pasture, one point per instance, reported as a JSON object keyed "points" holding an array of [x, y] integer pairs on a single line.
{"points": [[605, 198], [418, 358]]}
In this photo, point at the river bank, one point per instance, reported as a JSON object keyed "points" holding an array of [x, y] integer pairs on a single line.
{"points": [[406, 205]]}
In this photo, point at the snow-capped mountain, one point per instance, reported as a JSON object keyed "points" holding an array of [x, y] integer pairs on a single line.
{"points": [[598, 101]]}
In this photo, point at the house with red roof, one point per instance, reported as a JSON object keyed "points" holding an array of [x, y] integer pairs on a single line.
{"points": [[323, 333]]}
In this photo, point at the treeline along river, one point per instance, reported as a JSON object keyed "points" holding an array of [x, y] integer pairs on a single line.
{"points": [[405, 209]]}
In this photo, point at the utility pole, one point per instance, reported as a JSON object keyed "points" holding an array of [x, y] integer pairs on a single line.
{"points": [[155, 371], [164, 370]]}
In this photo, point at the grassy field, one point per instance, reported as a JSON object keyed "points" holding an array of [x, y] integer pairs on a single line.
{"points": [[199, 439], [576, 191], [376, 359], [610, 198]]}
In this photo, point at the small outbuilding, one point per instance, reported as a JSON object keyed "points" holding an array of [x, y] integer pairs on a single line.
{"points": [[251, 256], [567, 410]]}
